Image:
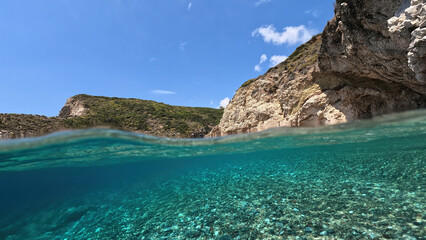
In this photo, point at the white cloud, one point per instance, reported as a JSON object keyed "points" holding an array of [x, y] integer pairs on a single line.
{"points": [[290, 35], [276, 59], [189, 6], [162, 92], [273, 61], [260, 2], [263, 58], [313, 12], [182, 45], [224, 102], [257, 68]]}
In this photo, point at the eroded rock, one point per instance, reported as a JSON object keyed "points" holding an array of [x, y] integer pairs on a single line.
{"points": [[369, 61]]}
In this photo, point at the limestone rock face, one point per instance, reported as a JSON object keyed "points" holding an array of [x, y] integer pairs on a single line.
{"points": [[370, 60], [408, 29], [377, 39], [73, 107]]}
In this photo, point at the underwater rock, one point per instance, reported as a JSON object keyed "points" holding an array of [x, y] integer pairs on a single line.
{"points": [[224, 237]]}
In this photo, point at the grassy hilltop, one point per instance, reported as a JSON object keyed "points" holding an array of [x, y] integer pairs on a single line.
{"points": [[136, 115]]}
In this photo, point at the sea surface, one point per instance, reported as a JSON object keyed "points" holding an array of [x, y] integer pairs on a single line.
{"points": [[363, 180]]}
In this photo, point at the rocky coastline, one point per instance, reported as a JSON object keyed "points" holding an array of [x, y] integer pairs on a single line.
{"points": [[369, 61]]}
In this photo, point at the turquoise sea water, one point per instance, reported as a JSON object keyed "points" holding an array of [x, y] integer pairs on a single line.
{"points": [[364, 180]]}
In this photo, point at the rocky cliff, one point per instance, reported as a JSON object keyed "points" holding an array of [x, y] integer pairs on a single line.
{"points": [[370, 60], [380, 39], [142, 116]]}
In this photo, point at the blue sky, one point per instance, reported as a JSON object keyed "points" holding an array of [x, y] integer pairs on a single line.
{"points": [[180, 52]]}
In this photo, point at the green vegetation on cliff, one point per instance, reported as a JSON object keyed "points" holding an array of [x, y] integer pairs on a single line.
{"points": [[144, 116], [26, 125], [138, 115], [305, 55]]}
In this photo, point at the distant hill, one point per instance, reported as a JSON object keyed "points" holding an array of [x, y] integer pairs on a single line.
{"points": [[27, 125], [142, 116]]}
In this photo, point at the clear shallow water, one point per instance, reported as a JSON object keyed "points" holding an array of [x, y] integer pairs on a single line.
{"points": [[364, 180]]}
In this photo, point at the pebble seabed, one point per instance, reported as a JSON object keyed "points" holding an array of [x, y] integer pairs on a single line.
{"points": [[306, 195]]}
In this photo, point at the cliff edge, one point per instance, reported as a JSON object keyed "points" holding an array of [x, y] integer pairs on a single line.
{"points": [[370, 60]]}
